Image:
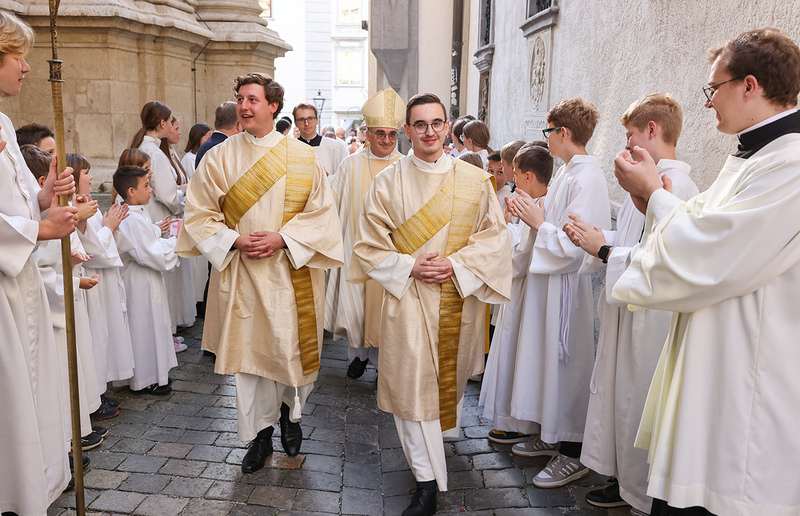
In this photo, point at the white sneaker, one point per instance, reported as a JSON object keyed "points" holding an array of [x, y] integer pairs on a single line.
{"points": [[178, 338], [179, 346], [534, 447], [560, 471]]}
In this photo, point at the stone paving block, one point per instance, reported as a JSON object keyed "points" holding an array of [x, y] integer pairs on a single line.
{"points": [[203, 507], [280, 460], [362, 433], [137, 446], [145, 483], [230, 440], [237, 454], [132, 417], [306, 479], [175, 409], [475, 432], [323, 463], [266, 476], [226, 402], [318, 501], [209, 453], [142, 464], [185, 422], [223, 425], [322, 448], [398, 483], [200, 388], [528, 512], [449, 501], [309, 423], [218, 413], [236, 492], [160, 505], [393, 505], [329, 400], [117, 501], [164, 435], [103, 479], [491, 461], [250, 510], [171, 450], [272, 496], [585, 512], [510, 477], [106, 460], [468, 421], [465, 480], [229, 472], [473, 446], [225, 390], [198, 400], [336, 414], [188, 487], [361, 501], [183, 468], [549, 497], [109, 441], [456, 463], [365, 476], [322, 434], [128, 429], [389, 438], [478, 499], [198, 437], [393, 459]]}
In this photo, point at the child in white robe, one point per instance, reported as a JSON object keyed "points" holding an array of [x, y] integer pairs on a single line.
{"points": [[145, 256]]}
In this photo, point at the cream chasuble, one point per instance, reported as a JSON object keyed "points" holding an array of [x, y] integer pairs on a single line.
{"points": [[345, 303], [408, 384], [252, 319], [721, 418]]}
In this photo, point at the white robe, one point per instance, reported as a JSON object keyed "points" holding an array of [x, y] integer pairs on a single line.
{"points": [[199, 263], [146, 257], [108, 312], [330, 154], [33, 449], [556, 335], [187, 162], [720, 420], [627, 353]]}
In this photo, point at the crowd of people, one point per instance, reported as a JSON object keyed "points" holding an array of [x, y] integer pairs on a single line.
{"points": [[436, 265]]}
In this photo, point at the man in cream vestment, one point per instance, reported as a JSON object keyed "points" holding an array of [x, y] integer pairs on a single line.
{"points": [[433, 235], [262, 213], [346, 313], [720, 421]]}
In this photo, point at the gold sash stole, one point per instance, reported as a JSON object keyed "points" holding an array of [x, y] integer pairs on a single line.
{"points": [[298, 167], [457, 202]]}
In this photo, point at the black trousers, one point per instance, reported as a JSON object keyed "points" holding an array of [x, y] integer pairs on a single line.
{"points": [[660, 508]]}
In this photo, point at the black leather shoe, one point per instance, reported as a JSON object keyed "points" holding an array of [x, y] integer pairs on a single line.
{"points": [[291, 433], [258, 451], [357, 368], [424, 502]]}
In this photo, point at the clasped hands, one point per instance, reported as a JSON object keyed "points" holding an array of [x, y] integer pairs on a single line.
{"points": [[428, 269], [639, 178], [527, 209], [259, 244]]}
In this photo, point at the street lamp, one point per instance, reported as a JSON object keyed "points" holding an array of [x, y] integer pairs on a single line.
{"points": [[319, 103]]}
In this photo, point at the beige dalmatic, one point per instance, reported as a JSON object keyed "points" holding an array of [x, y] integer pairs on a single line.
{"points": [[430, 348], [262, 313], [352, 310]]}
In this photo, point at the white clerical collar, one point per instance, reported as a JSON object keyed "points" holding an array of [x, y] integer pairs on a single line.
{"points": [[372, 156], [440, 166], [768, 120], [666, 164], [271, 139]]}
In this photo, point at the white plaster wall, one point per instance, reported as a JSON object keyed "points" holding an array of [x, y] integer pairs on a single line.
{"points": [[290, 71], [612, 52]]}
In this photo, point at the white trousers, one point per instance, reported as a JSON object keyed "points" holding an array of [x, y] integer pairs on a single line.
{"points": [[258, 403], [423, 446], [363, 354]]}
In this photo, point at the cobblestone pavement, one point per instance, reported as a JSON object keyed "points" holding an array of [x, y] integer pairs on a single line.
{"points": [[179, 455]]}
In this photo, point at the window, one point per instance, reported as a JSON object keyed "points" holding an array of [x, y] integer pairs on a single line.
{"points": [[537, 6], [349, 11], [350, 67]]}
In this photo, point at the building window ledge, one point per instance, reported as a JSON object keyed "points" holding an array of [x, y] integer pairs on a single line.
{"points": [[540, 20], [484, 57]]}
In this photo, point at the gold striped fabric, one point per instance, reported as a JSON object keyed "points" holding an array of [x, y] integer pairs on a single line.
{"points": [[298, 167], [457, 202]]}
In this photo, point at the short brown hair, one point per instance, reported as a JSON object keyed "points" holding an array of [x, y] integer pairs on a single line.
{"points": [[577, 115], [535, 159], [127, 177], [225, 115], [510, 150], [770, 57], [473, 158], [304, 105], [273, 92], [494, 156], [38, 160], [78, 163], [424, 98], [660, 108], [133, 157]]}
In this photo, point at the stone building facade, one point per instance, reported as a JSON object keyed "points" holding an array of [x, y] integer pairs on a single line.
{"points": [[119, 55]]}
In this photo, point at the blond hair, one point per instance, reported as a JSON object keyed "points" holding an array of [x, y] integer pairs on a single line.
{"points": [[16, 36], [660, 108], [578, 115]]}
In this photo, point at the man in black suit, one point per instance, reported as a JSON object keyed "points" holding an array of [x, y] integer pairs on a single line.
{"points": [[225, 124]]}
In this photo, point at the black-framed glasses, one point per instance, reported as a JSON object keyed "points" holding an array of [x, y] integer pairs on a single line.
{"points": [[546, 132], [712, 89], [422, 127], [306, 120], [382, 135]]}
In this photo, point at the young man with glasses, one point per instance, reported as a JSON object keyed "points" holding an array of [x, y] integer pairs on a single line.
{"points": [[329, 151], [352, 311], [432, 234], [720, 421]]}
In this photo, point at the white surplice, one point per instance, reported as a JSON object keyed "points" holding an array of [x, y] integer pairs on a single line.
{"points": [[33, 449], [556, 333], [108, 312], [627, 353], [187, 162], [720, 420], [145, 258], [330, 153]]}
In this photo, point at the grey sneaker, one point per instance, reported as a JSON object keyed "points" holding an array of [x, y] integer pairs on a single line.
{"points": [[534, 447], [560, 471]]}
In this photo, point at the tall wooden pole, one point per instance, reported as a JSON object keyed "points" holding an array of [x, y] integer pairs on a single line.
{"points": [[66, 263]]}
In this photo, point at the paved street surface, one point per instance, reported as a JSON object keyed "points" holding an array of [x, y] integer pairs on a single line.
{"points": [[179, 455]]}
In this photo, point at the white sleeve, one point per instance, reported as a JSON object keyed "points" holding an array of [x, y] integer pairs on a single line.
{"points": [[394, 274], [218, 248]]}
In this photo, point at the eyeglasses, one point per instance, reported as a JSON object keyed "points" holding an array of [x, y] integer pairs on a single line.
{"points": [[546, 132], [422, 127], [304, 120], [382, 135], [711, 90]]}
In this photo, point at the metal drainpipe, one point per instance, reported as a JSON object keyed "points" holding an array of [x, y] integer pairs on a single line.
{"points": [[455, 70]]}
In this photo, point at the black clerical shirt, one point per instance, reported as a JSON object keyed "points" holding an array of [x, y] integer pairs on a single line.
{"points": [[314, 142], [755, 140]]}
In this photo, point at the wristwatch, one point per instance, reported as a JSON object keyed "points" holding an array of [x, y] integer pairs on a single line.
{"points": [[603, 253]]}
